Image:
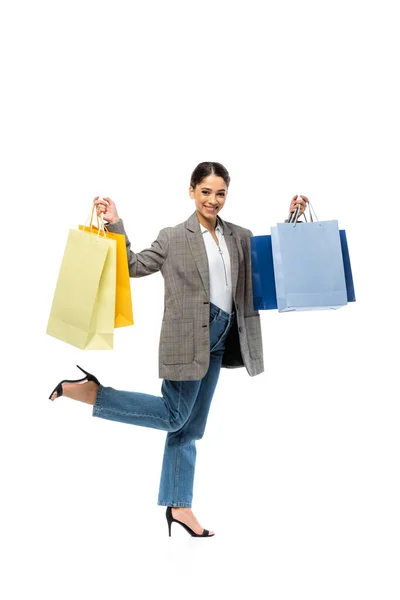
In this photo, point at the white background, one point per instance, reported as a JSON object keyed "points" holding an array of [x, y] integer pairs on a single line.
{"points": [[298, 472]]}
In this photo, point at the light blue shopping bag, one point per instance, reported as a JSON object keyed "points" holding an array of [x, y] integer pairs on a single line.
{"points": [[308, 266], [262, 267]]}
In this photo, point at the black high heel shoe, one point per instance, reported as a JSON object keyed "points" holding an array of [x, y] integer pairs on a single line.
{"points": [[171, 519], [89, 377]]}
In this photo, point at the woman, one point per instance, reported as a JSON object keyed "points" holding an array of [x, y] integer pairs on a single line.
{"points": [[209, 322]]}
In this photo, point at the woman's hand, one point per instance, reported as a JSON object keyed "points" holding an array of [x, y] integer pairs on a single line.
{"points": [[108, 208], [300, 201]]}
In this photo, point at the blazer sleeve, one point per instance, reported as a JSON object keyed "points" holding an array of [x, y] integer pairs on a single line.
{"points": [[150, 259]]}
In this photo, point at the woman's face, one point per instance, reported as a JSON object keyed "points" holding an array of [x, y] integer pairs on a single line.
{"points": [[209, 196]]}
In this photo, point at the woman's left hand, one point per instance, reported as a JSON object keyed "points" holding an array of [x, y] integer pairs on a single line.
{"points": [[300, 201]]}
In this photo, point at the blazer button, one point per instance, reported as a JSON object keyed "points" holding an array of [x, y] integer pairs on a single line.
{"points": [[240, 330], [205, 302]]}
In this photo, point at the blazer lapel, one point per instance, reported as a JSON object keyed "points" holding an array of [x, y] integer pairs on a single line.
{"points": [[198, 249], [232, 244]]}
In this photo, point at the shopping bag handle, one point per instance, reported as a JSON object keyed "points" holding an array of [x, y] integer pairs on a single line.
{"points": [[294, 215], [100, 225]]}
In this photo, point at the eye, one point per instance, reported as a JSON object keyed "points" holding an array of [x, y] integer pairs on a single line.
{"points": [[221, 194]]}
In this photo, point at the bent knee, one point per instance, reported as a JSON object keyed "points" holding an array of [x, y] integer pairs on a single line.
{"points": [[178, 421]]}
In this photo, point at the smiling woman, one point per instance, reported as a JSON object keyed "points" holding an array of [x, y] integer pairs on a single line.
{"points": [[209, 322], [208, 188]]}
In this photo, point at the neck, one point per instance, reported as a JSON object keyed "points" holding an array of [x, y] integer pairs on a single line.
{"points": [[209, 224]]}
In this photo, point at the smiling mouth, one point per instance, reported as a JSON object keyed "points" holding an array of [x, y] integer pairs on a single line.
{"points": [[210, 208]]}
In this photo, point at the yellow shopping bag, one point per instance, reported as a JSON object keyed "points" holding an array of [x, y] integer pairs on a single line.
{"points": [[83, 308], [123, 298]]}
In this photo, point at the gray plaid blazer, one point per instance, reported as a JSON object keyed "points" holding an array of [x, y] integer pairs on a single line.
{"points": [[179, 253]]}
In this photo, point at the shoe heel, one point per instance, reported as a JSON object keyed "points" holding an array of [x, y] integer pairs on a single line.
{"points": [[168, 514], [170, 519], [83, 370], [89, 376]]}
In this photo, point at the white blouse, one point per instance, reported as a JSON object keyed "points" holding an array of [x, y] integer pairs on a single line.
{"points": [[219, 264]]}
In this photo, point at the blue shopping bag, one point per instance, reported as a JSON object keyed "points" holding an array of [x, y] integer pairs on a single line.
{"points": [[351, 295], [263, 277], [262, 270], [308, 266]]}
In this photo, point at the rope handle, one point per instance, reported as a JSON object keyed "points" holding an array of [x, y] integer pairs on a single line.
{"points": [[294, 215], [101, 226]]}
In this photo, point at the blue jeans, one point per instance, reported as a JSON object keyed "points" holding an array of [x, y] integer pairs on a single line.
{"points": [[181, 410]]}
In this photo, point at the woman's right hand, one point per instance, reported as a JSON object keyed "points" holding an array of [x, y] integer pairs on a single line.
{"points": [[108, 208], [298, 201]]}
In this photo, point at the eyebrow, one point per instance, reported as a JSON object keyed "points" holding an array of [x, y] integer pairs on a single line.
{"points": [[221, 190]]}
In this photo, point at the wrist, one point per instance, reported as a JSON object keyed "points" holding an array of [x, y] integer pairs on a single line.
{"points": [[114, 221]]}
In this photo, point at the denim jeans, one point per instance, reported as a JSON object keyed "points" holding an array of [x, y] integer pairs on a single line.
{"points": [[181, 410]]}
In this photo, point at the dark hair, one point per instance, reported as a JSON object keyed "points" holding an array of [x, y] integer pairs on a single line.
{"points": [[204, 169]]}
